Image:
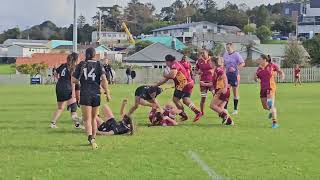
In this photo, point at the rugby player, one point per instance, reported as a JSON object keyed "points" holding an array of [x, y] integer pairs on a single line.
{"points": [[297, 75], [233, 62], [65, 91], [222, 91], [183, 87], [166, 118], [203, 68], [186, 64], [90, 74], [111, 126], [145, 96], [265, 73]]}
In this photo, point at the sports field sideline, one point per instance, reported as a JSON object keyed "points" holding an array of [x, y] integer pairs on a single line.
{"points": [[29, 149]]}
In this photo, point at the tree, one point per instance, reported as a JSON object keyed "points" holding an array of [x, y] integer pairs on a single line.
{"points": [[263, 33], [111, 18], [313, 48], [32, 69], [249, 29], [13, 33], [285, 25], [167, 13], [294, 54], [218, 49], [81, 21], [208, 5], [263, 16], [84, 33], [142, 44]]}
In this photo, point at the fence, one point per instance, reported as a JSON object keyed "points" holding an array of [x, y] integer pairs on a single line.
{"points": [[149, 76]]}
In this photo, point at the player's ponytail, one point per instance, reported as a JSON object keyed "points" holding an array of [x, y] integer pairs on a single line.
{"points": [[72, 61], [269, 59]]}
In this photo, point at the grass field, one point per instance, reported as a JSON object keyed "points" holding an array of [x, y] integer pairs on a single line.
{"points": [[6, 69], [249, 150]]}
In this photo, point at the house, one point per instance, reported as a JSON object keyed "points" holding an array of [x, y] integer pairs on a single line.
{"points": [[292, 9], [276, 51], [168, 41], [10, 42], [55, 43], [209, 40], [152, 56], [110, 37], [223, 29]]}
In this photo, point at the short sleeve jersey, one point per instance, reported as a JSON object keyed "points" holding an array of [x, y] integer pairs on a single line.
{"points": [[217, 81], [205, 67], [266, 76], [182, 78], [64, 81], [89, 74], [186, 65]]}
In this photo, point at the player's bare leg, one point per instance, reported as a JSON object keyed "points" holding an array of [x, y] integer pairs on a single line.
{"points": [[218, 106], [179, 105], [202, 103], [94, 114], [187, 101], [57, 113]]}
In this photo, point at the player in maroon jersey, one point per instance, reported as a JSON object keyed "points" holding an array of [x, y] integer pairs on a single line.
{"points": [[183, 87], [166, 118], [186, 64], [204, 69], [297, 75]]}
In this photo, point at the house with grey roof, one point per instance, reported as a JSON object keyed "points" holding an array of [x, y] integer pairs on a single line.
{"points": [[209, 40], [10, 42], [153, 56]]}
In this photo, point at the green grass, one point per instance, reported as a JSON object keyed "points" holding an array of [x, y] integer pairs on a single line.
{"points": [[249, 150], [275, 42], [6, 69]]}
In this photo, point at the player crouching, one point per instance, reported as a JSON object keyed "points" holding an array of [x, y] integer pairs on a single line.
{"points": [[222, 91], [167, 118], [111, 126]]}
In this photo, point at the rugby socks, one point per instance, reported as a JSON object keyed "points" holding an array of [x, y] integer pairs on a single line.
{"points": [[194, 108], [223, 115], [184, 116], [274, 121], [235, 104], [269, 102]]}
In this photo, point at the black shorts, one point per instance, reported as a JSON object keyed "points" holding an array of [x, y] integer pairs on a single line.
{"points": [[113, 125], [233, 78], [180, 95], [72, 107], [140, 92], [63, 95], [90, 100]]}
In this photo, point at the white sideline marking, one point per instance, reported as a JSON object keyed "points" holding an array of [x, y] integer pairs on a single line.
{"points": [[194, 156]]}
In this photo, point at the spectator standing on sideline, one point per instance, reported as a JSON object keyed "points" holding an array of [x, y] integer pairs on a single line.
{"points": [[108, 69], [128, 73]]}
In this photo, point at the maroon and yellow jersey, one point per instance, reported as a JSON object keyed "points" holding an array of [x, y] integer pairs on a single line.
{"points": [[182, 78], [296, 71], [204, 66], [267, 76], [186, 65], [217, 80]]}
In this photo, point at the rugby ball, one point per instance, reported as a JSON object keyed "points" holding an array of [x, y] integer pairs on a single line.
{"points": [[166, 72]]}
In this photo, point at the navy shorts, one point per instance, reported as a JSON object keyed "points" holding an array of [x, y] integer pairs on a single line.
{"points": [[180, 94], [233, 78], [90, 100], [63, 95]]}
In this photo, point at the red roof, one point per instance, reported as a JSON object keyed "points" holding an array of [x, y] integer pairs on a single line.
{"points": [[51, 59]]}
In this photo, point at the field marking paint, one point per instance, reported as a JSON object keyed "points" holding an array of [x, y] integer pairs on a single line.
{"points": [[194, 156]]}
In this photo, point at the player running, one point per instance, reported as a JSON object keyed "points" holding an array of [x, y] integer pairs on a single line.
{"points": [[187, 65], [111, 126], [183, 87], [203, 68], [222, 91], [145, 96], [90, 73], [65, 91], [166, 118], [297, 75], [233, 62], [265, 73]]}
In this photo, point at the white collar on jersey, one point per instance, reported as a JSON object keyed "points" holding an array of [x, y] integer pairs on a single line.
{"points": [[92, 61]]}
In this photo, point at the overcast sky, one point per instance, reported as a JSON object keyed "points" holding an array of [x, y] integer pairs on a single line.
{"points": [[26, 13]]}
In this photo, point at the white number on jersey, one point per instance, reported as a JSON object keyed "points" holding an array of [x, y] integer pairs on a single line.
{"points": [[91, 74], [63, 73]]}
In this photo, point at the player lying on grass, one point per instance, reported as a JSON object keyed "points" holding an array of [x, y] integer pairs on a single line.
{"points": [[167, 118], [66, 91], [183, 86], [221, 88], [145, 96], [111, 126], [265, 73]]}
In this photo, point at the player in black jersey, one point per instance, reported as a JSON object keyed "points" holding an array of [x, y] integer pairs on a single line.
{"points": [[91, 75], [65, 90], [146, 96]]}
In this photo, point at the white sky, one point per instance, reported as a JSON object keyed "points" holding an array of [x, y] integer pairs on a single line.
{"points": [[26, 13]]}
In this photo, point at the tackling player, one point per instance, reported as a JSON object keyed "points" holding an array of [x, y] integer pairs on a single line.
{"points": [[167, 118], [65, 90], [183, 87], [203, 68], [265, 73], [297, 75], [90, 73], [145, 96]]}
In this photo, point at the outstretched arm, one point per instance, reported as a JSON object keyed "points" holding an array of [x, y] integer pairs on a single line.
{"points": [[122, 108]]}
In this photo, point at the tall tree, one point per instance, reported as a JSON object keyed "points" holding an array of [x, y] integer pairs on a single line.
{"points": [[285, 25], [263, 33], [111, 18], [313, 48], [263, 16], [81, 21], [294, 54], [13, 33]]}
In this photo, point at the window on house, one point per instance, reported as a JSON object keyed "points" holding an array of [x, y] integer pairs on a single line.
{"points": [[160, 67], [155, 66], [287, 11], [205, 27]]}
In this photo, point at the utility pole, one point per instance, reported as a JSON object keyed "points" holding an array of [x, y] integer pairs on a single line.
{"points": [[75, 29]]}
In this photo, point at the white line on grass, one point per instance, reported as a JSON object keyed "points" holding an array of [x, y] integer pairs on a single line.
{"points": [[194, 156]]}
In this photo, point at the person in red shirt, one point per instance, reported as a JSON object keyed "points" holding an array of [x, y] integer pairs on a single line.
{"points": [[297, 75], [222, 91], [186, 64], [166, 118], [204, 69], [183, 87], [265, 73]]}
